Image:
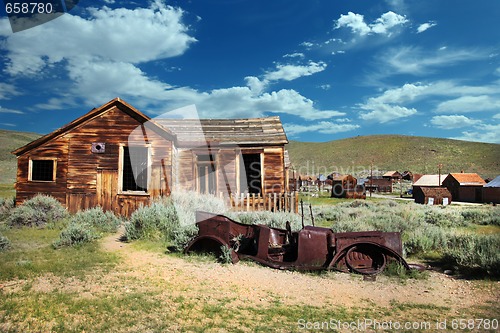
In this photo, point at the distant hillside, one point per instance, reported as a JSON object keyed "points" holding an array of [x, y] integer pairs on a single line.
{"points": [[353, 155], [9, 141], [395, 152]]}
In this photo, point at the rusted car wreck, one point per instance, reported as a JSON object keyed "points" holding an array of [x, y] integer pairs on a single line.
{"points": [[311, 248]]}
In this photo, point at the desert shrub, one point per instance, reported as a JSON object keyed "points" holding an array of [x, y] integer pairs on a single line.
{"points": [[172, 219], [271, 219], [488, 216], [155, 222], [76, 234], [6, 205], [424, 239], [187, 203], [4, 243], [87, 226], [475, 252], [37, 212], [182, 235], [98, 219], [443, 217], [225, 256]]}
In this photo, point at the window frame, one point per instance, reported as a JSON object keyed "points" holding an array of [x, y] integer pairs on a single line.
{"points": [[121, 165], [54, 170]]}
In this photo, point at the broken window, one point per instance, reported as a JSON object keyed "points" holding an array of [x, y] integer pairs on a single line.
{"points": [[135, 169], [42, 170], [250, 174]]}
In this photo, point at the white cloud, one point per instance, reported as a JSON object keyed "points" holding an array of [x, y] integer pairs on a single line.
{"points": [[108, 35], [470, 103], [484, 133], [381, 25], [384, 113], [8, 90], [354, 21], [292, 72], [6, 110], [295, 55], [8, 124], [394, 103], [416, 61], [453, 121], [387, 21], [323, 127], [497, 116], [425, 26], [285, 73]]}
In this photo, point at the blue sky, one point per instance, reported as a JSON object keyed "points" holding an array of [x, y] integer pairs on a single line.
{"points": [[329, 69]]}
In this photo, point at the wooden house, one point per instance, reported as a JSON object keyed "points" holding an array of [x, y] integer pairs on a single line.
{"points": [[345, 186], [378, 184], [491, 191], [432, 195], [466, 187], [118, 158], [392, 175]]}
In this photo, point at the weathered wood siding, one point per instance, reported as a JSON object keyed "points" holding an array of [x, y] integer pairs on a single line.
{"points": [[79, 170], [185, 164], [274, 170], [26, 189], [226, 177]]}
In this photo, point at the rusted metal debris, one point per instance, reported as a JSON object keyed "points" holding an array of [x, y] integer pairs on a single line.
{"points": [[311, 248]]}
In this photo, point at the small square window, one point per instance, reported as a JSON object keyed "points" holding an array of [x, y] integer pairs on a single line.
{"points": [[43, 170]]}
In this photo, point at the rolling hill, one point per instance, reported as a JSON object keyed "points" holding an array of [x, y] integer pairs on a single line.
{"points": [[395, 152], [9, 141], [352, 155]]}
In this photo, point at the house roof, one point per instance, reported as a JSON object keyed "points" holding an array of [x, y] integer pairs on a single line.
{"points": [[391, 174], [494, 183], [433, 191], [467, 179], [430, 180], [342, 177], [225, 131], [117, 102], [250, 131]]}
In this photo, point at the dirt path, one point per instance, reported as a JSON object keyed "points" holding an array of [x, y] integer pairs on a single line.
{"points": [[246, 282]]}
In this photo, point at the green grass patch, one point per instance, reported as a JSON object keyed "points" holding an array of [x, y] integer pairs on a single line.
{"points": [[7, 191], [31, 254], [156, 312]]}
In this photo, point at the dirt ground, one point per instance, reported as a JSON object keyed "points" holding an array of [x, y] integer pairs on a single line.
{"points": [[255, 283], [248, 283]]}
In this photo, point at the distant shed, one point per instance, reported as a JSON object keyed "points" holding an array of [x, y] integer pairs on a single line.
{"points": [[432, 195], [392, 175], [491, 191], [345, 186]]}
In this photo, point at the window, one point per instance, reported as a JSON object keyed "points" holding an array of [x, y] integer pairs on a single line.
{"points": [[135, 169], [207, 177], [250, 174], [42, 170]]}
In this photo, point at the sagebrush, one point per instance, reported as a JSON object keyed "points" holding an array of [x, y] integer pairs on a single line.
{"points": [[38, 211], [87, 226]]}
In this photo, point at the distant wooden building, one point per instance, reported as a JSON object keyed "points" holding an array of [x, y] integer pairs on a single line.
{"points": [[392, 175], [118, 158], [466, 187], [491, 191], [407, 175], [345, 186], [432, 195], [378, 184]]}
